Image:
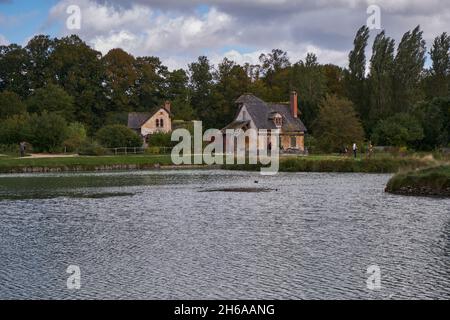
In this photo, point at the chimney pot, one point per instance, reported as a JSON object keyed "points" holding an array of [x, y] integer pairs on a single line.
{"points": [[294, 104]]}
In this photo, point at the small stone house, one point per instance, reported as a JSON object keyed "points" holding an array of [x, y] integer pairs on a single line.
{"points": [[158, 120], [254, 113]]}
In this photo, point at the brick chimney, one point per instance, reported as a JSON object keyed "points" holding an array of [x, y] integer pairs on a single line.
{"points": [[167, 105], [294, 104]]}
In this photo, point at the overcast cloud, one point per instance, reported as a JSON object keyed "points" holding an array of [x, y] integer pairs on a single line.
{"points": [[179, 31]]}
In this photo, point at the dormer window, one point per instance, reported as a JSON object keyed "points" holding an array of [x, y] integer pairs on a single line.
{"points": [[278, 120]]}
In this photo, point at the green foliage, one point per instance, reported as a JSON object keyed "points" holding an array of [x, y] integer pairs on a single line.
{"points": [[399, 130], [91, 147], [118, 136], [308, 78], [76, 136], [52, 99], [408, 68], [434, 119], [381, 79], [427, 182], [10, 104], [160, 140], [355, 79], [48, 132], [15, 129], [337, 125]]}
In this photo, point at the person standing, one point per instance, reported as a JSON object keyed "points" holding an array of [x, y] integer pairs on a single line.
{"points": [[22, 147], [355, 150]]}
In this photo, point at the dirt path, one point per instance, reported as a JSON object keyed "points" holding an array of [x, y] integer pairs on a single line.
{"points": [[45, 155]]}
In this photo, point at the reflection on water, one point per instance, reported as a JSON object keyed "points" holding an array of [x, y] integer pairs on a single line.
{"points": [[162, 235]]}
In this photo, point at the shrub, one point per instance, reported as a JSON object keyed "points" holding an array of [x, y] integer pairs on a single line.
{"points": [[48, 132], [153, 150], [76, 136], [91, 148], [161, 140], [118, 136]]}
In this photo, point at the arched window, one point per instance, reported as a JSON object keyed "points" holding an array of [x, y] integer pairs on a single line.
{"points": [[157, 123], [161, 123]]}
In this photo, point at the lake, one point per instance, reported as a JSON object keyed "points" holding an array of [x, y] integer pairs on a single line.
{"points": [[196, 235]]}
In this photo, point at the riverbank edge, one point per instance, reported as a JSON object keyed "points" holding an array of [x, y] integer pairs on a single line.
{"points": [[286, 165], [429, 182]]}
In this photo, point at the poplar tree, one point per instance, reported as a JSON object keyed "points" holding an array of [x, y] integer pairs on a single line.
{"points": [[356, 76], [409, 64], [380, 78]]}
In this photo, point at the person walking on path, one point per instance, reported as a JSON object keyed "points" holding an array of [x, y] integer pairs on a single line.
{"points": [[355, 150]]}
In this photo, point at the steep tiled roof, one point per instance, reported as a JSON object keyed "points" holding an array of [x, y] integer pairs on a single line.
{"points": [[262, 114], [137, 119]]}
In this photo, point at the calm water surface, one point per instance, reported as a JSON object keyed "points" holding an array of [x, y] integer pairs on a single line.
{"points": [[159, 235]]}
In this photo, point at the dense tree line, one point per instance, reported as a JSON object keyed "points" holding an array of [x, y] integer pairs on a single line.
{"points": [[395, 101]]}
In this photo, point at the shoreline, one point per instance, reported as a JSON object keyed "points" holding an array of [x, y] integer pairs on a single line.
{"points": [[430, 182], [287, 164]]}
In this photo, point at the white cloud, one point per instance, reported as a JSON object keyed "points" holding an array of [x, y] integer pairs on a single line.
{"points": [[3, 41], [178, 34]]}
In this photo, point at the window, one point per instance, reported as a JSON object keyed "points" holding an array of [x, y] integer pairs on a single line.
{"points": [[278, 121], [294, 142], [157, 123], [161, 123]]}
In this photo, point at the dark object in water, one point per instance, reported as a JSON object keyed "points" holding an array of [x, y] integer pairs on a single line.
{"points": [[238, 190]]}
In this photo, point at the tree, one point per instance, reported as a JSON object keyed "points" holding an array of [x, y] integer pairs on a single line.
{"points": [[409, 63], [337, 124], [178, 94], [308, 79], [399, 130], [434, 119], [438, 84], [231, 81], [11, 104], [79, 70], [201, 85], [52, 99], [150, 88], [47, 132], [356, 76], [334, 79], [14, 67], [121, 78], [15, 129], [76, 136], [39, 50], [275, 71], [381, 78], [118, 136]]}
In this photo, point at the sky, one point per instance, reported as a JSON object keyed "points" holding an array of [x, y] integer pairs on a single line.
{"points": [[178, 31]]}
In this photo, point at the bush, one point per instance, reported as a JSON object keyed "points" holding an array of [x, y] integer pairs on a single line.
{"points": [[399, 130], [48, 132], [161, 140], [118, 136], [91, 148], [76, 136], [153, 150]]}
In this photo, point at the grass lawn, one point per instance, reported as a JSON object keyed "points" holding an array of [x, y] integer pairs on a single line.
{"points": [[89, 163]]}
